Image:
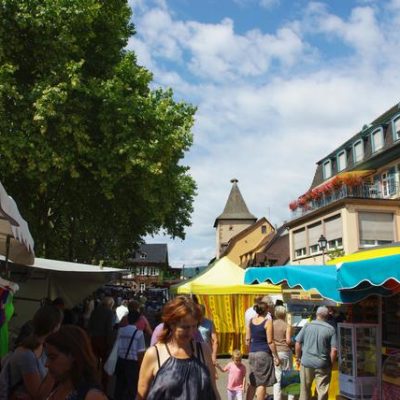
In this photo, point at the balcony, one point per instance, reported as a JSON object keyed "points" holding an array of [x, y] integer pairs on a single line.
{"points": [[389, 190]]}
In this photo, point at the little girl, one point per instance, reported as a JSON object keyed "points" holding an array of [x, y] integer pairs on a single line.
{"points": [[237, 376]]}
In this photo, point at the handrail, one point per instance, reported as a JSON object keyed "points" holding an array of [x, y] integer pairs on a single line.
{"points": [[363, 191]]}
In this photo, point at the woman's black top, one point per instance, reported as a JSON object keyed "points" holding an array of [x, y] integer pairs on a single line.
{"points": [[184, 379]]}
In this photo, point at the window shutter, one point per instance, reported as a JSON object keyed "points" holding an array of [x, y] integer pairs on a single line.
{"points": [[299, 239], [333, 228], [392, 180], [314, 233], [377, 184], [396, 125], [376, 226]]}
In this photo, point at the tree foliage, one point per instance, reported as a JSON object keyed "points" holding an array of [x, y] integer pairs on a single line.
{"points": [[91, 154]]}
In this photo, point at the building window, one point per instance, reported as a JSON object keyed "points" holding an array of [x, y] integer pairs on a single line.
{"points": [[385, 184], [143, 255], [314, 249], [396, 128], [358, 151], [300, 252], [377, 140], [154, 271], [388, 182], [327, 169], [335, 244], [314, 232], [333, 231], [263, 229], [341, 161], [299, 243], [375, 228]]}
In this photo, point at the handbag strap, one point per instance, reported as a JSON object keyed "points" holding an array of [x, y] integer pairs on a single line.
{"points": [[130, 343]]}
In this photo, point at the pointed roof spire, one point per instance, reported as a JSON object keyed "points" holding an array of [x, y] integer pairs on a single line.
{"points": [[235, 207]]}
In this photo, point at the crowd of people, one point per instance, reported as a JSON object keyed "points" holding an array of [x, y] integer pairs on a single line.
{"points": [[59, 357]]}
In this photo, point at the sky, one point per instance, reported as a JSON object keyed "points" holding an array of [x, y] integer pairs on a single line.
{"points": [[278, 84]]}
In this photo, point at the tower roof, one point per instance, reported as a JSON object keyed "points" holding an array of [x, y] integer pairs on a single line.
{"points": [[235, 207]]}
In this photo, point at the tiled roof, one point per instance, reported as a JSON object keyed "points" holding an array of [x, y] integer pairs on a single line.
{"points": [[150, 253], [382, 121], [235, 207], [245, 232], [277, 249]]}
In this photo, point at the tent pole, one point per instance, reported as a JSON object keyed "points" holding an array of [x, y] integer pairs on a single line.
{"points": [[48, 284], [7, 253]]}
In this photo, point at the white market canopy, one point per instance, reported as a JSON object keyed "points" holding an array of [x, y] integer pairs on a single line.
{"points": [[16, 242], [53, 278], [66, 266]]}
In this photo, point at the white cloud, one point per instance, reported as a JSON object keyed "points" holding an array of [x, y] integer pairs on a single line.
{"points": [[270, 105], [215, 51], [361, 31]]}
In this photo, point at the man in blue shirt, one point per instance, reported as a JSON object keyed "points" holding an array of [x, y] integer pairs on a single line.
{"points": [[316, 344]]}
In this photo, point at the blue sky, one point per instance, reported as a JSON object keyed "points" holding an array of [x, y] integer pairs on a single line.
{"points": [[278, 84]]}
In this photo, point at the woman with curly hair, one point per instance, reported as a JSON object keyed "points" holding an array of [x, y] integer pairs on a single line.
{"points": [[72, 364], [177, 367]]}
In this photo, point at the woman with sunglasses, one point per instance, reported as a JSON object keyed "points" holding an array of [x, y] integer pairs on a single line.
{"points": [[177, 367]]}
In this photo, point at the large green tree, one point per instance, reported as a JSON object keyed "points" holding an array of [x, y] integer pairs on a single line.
{"points": [[90, 153]]}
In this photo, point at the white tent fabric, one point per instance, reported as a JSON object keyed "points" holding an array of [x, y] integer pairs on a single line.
{"points": [[65, 266], [52, 278], [14, 229]]}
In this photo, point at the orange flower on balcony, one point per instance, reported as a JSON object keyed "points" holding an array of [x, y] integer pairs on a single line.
{"points": [[352, 180], [336, 182], [302, 201], [316, 194], [293, 205]]}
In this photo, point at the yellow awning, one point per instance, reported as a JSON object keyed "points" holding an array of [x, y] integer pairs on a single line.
{"points": [[367, 254], [224, 277]]}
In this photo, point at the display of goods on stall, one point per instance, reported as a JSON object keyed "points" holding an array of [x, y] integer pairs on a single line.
{"points": [[365, 311]]}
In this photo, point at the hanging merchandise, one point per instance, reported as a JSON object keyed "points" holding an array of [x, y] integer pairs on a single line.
{"points": [[7, 290]]}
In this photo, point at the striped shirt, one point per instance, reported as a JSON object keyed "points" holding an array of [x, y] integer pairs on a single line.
{"points": [[124, 338]]}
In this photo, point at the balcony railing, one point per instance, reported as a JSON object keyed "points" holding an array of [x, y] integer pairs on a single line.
{"points": [[364, 191]]}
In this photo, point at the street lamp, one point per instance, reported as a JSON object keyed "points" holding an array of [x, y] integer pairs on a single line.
{"points": [[322, 243]]}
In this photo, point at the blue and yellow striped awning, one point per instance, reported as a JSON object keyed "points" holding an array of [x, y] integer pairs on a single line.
{"points": [[343, 282]]}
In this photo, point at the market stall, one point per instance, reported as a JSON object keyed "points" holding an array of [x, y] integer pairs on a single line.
{"points": [[52, 278], [16, 244], [226, 298], [361, 283]]}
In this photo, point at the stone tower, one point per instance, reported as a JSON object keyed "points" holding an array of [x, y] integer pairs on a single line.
{"points": [[235, 218]]}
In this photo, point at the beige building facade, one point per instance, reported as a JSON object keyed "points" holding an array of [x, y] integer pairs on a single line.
{"points": [[241, 247], [351, 225], [354, 200]]}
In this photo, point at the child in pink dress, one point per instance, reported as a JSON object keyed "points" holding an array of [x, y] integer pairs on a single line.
{"points": [[237, 376]]}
